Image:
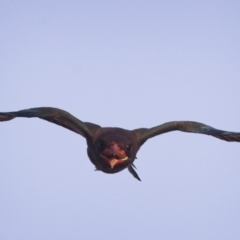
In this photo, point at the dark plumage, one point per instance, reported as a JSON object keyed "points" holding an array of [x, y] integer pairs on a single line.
{"points": [[113, 149]]}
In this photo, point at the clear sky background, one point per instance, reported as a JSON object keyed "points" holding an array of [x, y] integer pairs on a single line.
{"points": [[129, 64]]}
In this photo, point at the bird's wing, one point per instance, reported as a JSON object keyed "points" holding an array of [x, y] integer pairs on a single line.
{"points": [[57, 116], [143, 134]]}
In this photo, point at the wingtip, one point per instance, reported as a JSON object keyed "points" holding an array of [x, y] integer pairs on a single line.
{"points": [[6, 117], [229, 137]]}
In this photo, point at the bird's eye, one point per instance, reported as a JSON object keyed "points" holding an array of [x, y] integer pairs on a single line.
{"points": [[129, 147], [101, 144]]}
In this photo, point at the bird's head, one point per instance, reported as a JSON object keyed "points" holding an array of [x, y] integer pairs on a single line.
{"points": [[113, 150]]}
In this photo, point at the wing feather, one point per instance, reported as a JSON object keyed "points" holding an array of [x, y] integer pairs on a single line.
{"points": [[143, 134], [57, 116]]}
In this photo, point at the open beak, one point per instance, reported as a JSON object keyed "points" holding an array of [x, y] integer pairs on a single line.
{"points": [[114, 162], [113, 155]]}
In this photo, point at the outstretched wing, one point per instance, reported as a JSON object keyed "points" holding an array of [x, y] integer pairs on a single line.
{"points": [[143, 134], [57, 116]]}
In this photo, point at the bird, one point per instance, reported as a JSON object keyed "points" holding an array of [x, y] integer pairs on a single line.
{"points": [[113, 149]]}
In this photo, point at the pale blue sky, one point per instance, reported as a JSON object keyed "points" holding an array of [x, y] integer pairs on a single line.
{"points": [[129, 64]]}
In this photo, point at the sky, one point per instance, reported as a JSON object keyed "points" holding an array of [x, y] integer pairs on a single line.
{"points": [[126, 64]]}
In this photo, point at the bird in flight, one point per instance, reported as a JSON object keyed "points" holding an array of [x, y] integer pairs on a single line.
{"points": [[112, 149]]}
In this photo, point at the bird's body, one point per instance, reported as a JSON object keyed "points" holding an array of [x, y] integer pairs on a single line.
{"points": [[113, 149]]}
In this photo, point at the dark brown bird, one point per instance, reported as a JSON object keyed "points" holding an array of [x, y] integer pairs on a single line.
{"points": [[113, 149]]}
